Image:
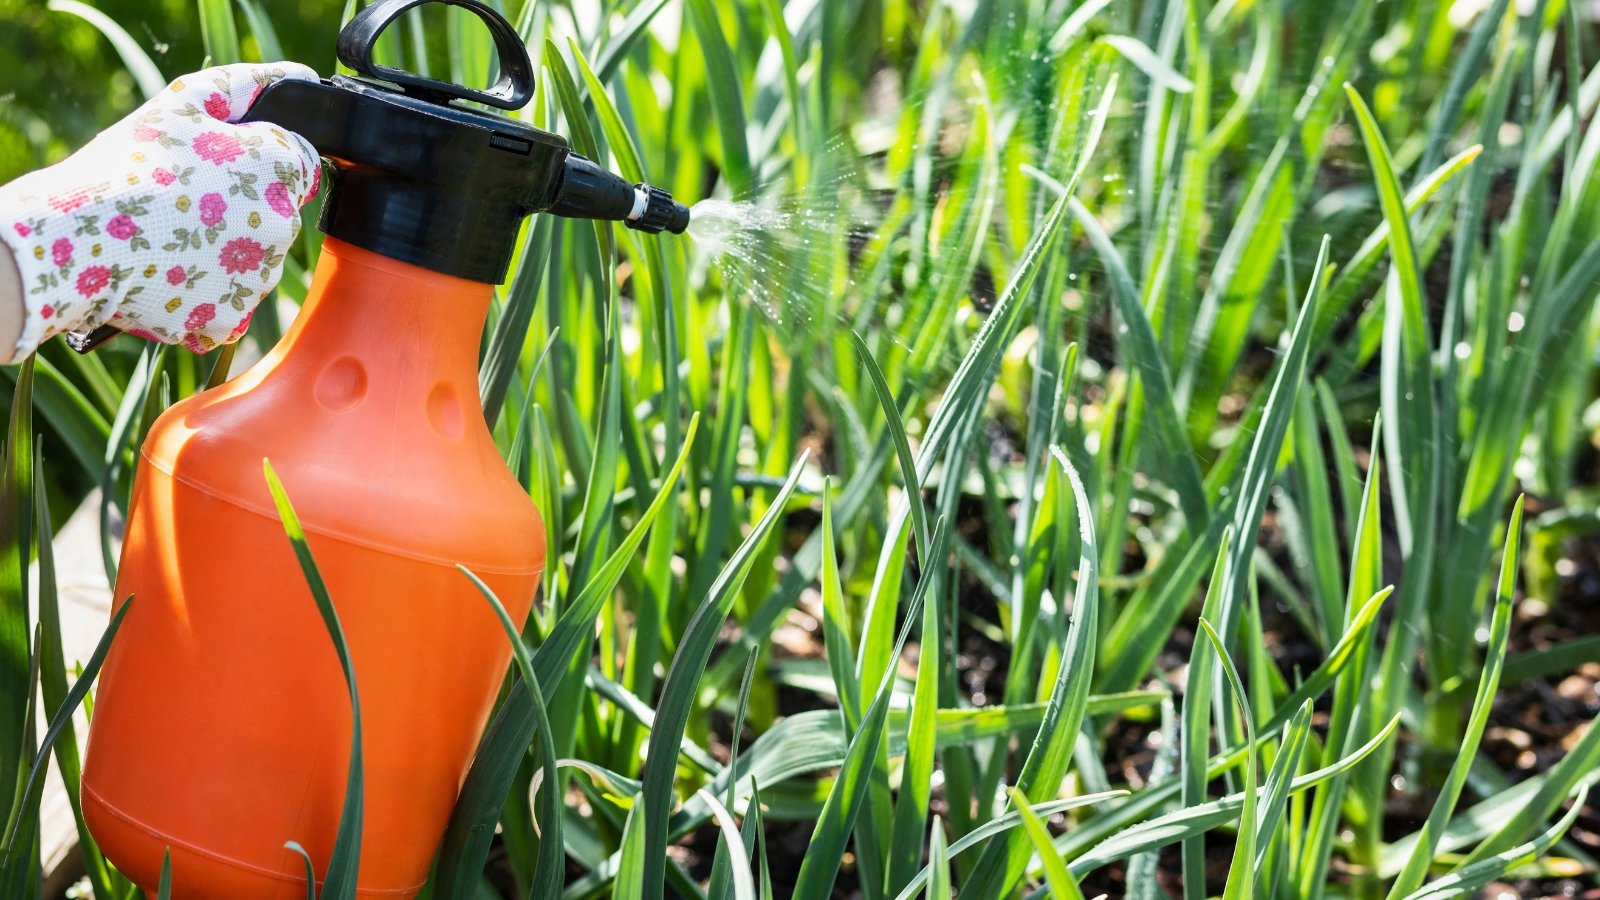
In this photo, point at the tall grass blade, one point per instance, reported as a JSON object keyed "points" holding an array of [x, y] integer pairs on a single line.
{"points": [[269, 48], [1416, 868], [1060, 882], [1261, 466], [1046, 762], [164, 889], [145, 74], [1412, 442], [1000, 825], [683, 678], [340, 881], [55, 690], [1195, 733], [550, 870], [902, 445], [938, 862], [1581, 762], [1242, 871], [744, 883], [16, 552], [631, 872], [839, 814], [22, 833], [1477, 874], [722, 82], [219, 32], [465, 846], [1172, 443], [1192, 820], [1275, 799]]}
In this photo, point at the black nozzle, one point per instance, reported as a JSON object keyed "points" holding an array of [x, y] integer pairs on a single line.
{"points": [[661, 212], [587, 191]]}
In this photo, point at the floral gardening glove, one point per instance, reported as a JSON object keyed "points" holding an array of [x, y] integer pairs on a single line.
{"points": [[171, 224]]}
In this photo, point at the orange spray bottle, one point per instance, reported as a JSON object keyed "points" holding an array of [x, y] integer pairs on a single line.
{"points": [[222, 727]]}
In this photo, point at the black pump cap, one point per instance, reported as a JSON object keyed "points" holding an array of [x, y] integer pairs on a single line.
{"points": [[416, 176], [421, 179]]}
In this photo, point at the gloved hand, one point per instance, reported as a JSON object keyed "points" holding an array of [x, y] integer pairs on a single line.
{"points": [[171, 224]]}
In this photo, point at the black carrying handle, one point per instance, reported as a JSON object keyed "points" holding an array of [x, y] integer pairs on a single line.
{"points": [[512, 91]]}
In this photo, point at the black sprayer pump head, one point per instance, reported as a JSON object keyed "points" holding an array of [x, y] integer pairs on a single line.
{"points": [[426, 180], [421, 178]]}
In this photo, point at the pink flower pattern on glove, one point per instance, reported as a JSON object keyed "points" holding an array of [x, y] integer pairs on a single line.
{"points": [[200, 315], [217, 107], [241, 255], [218, 148], [278, 198], [121, 227], [212, 209], [172, 224], [93, 279]]}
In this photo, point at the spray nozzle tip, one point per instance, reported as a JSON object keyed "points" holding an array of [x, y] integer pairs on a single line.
{"points": [[654, 211]]}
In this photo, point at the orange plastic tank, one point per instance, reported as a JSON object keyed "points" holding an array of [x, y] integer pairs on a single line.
{"points": [[221, 725]]}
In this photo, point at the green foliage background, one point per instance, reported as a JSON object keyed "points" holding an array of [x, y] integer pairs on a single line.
{"points": [[1094, 343]]}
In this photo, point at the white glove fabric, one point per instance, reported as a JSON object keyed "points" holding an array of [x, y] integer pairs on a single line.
{"points": [[171, 224]]}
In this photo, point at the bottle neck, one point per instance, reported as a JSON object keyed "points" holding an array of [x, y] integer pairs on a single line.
{"points": [[390, 315]]}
